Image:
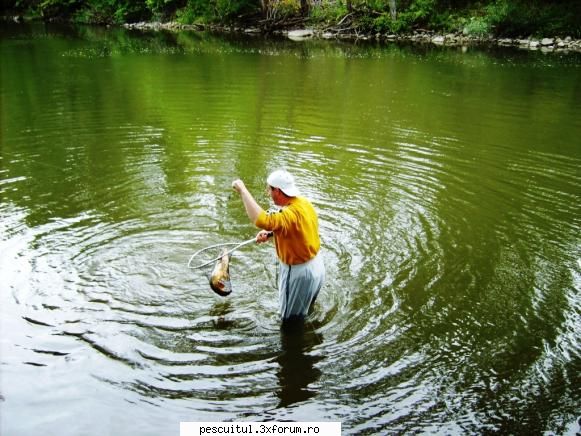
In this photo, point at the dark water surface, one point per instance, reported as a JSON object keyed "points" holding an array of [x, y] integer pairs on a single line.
{"points": [[448, 185]]}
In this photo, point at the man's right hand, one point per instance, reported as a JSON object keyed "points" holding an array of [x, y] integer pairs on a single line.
{"points": [[238, 185], [263, 236]]}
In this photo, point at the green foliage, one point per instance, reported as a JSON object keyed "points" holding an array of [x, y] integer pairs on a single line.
{"points": [[418, 13], [208, 11], [54, 8], [446, 21], [520, 17], [195, 11], [383, 23], [473, 17], [328, 12], [504, 15], [287, 8], [91, 11], [189, 15], [163, 9], [225, 9], [477, 26], [372, 5]]}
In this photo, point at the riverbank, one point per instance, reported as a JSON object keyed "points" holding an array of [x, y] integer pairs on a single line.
{"points": [[546, 44], [530, 24]]}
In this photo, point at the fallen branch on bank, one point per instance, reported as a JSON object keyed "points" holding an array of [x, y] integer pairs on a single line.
{"points": [[343, 19]]}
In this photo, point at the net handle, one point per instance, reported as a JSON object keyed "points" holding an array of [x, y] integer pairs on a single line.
{"points": [[237, 246], [225, 244]]}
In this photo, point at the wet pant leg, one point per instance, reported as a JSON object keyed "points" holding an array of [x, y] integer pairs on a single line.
{"points": [[298, 287]]}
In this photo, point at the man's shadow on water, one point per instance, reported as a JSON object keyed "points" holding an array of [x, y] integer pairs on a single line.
{"points": [[297, 366]]}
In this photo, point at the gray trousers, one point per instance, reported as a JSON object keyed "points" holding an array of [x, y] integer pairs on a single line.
{"points": [[298, 287]]}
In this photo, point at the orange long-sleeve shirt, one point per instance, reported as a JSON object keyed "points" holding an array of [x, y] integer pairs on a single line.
{"points": [[296, 231]]}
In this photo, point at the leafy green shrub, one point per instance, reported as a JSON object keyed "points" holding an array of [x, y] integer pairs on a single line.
{"points": [[445, 21], [57, 8], [477, 26], [187, 16], [419, 12], [383, 23], [224, 9], [520, 17], [110, 11], [287, 8], [417, 15], [207, 11], [327, 12], [507, 17], [195, 11]]}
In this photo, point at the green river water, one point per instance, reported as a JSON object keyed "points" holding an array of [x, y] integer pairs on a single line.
{"points": [[447, 183]]}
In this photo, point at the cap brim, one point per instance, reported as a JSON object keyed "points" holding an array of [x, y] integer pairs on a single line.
{"points": [[293, 191]]}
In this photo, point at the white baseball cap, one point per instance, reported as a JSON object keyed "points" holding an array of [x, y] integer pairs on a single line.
{"points": [[284, 181]]}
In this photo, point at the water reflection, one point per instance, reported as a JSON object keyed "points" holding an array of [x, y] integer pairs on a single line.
{"points": [[298, 365], [219, 313]]}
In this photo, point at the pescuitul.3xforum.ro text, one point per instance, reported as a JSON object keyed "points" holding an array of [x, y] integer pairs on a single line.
{"points": [[262, 428]]}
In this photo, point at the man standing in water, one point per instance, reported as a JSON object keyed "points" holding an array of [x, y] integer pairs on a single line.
{"points": [[296, 237]]}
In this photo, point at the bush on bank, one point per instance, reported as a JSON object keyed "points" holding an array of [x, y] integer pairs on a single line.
{"points": [[510, 18]]}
